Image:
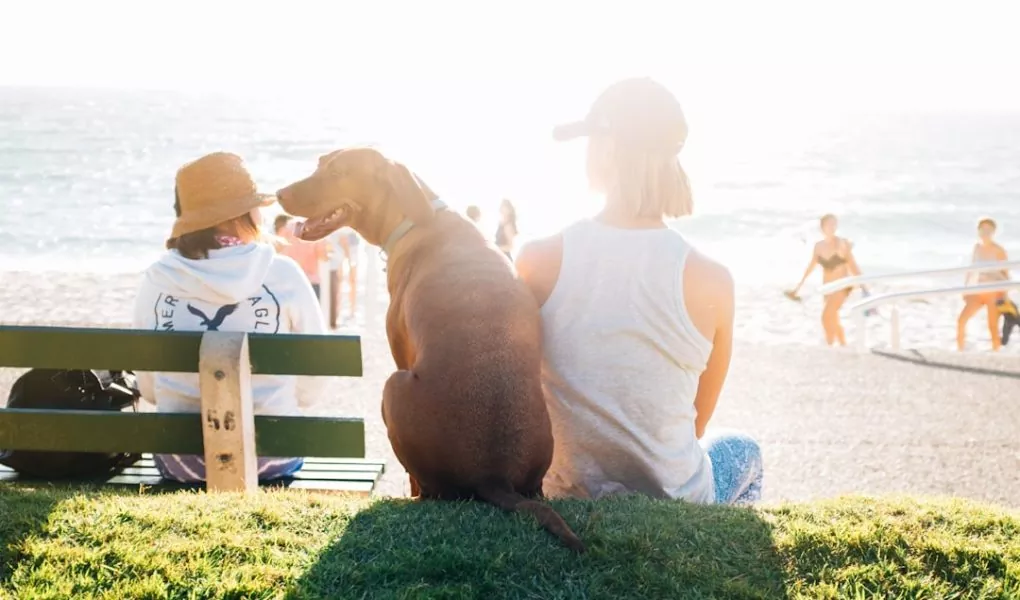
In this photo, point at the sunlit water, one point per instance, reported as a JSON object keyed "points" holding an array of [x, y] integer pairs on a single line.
{"points": [[86, 177]]}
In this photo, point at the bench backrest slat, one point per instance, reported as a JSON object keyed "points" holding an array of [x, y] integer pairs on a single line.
{"points": [[173, 433], [176, 351]]}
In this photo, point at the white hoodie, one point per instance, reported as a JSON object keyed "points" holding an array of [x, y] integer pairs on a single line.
{"points": [[247, 288]]}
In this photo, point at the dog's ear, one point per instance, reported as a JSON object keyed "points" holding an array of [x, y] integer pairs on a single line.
{"points": [[412, 196]]}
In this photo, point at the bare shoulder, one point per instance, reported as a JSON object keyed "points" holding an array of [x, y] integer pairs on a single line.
{"points": [[1001, 251], [538, 265], [708, 292], [540, 251], [709, 272]]}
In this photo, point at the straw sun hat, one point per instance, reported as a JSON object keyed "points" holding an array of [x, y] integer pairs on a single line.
{"points": [[215, 189]]}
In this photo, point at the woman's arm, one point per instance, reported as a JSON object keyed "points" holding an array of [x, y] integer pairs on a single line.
{"points": [[807, 272], [538, 266], [711, 382], [851, 262]]}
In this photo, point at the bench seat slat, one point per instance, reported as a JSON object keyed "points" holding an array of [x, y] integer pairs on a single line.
{"points": [[323, 475], [318, 462], [144, 473], [311, 465], [180, 433], [172, 351], [346, 461]]}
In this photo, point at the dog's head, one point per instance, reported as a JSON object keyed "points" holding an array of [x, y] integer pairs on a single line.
{"points": [[359, 188]]}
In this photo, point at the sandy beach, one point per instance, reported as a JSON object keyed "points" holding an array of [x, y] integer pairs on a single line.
{"points": [[831, 421]]}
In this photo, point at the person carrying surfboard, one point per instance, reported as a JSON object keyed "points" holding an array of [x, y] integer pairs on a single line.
{"points": [[835, 255]]}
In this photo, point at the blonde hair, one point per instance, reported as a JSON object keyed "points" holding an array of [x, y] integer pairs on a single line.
{"points": [[987, 221], [646, 184]]}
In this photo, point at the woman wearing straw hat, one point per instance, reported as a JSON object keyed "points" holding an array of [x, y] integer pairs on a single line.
{"points": [[637, 325], [215, 276]]}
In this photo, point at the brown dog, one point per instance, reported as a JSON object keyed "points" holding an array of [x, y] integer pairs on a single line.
{"points": [[465, 412]]}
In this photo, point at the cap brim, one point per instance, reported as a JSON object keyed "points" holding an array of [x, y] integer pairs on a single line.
{"points": [[571, 131]]}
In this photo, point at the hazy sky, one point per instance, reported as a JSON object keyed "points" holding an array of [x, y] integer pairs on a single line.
{"points": [[854, 54]]}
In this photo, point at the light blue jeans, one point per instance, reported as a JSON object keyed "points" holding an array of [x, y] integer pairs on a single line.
{"points": [[736, 466]]}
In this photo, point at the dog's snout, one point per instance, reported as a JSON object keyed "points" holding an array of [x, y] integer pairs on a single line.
{"points": [[285, 198]]}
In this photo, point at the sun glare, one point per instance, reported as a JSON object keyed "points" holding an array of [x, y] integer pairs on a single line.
{"points": [[469, 92]]}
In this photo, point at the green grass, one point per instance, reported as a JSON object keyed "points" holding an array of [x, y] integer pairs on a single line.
{"points": [[67, 544]]}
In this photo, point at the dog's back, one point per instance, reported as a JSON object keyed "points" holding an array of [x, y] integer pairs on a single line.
{"points": [[480, 424], [477, 341]]}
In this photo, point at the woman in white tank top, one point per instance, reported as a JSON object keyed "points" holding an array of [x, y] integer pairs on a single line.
{"points": [[637, 324]]}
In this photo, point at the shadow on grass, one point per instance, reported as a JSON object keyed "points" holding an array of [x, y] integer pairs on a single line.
{"points": [[24, 511], [637, 548], [916, 358]]}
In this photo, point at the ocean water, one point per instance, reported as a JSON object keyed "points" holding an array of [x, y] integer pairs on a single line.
{"points": [[86, 176]]}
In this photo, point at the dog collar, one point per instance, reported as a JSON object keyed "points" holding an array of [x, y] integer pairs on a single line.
{"points": [[405, 226]]}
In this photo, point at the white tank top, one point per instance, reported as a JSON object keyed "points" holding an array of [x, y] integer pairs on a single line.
{"points": [[621, 366]]}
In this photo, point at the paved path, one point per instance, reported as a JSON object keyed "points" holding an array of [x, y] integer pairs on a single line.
{"points": [[833, 422]]}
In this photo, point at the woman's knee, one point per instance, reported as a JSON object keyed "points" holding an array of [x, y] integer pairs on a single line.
{"points": [[751, 450], [828, 317], [738, 444], [751, 453]]}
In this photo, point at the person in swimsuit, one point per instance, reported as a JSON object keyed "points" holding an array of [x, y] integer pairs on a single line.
{"points": [[506, 233], [985, 251], [835, 255]]}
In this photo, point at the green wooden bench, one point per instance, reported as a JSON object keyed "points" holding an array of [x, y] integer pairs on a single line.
{"points": [[226, 431]]}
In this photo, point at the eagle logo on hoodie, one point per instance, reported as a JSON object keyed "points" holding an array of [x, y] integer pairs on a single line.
{"points": [[214, 323], [258, 314]]}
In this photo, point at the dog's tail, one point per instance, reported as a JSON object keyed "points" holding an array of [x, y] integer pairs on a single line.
{"points": [[504, 497]]}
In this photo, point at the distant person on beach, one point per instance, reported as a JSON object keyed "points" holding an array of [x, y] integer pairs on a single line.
{"points": [[279, 224], [836, 257], [308, 255], [506, 231], [215, 276], [986, 250], [345, 244], [637, 324]]}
